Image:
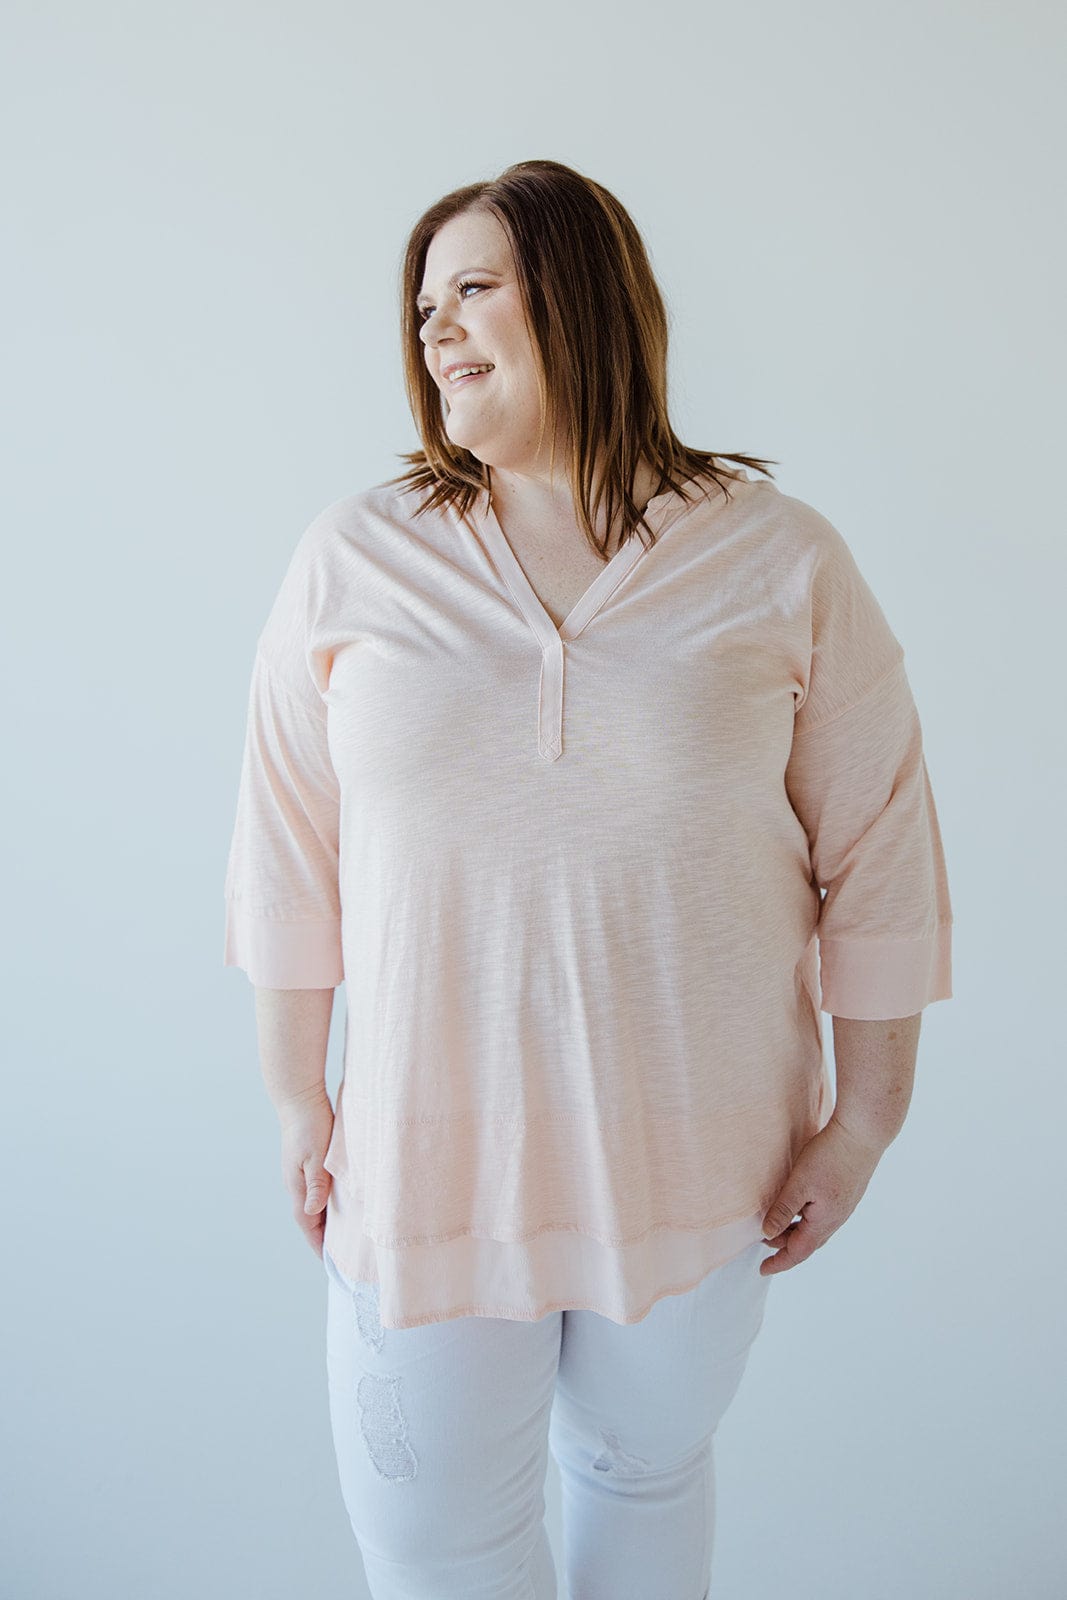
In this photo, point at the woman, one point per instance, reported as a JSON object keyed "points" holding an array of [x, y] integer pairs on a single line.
{"points": [[554, 743]]}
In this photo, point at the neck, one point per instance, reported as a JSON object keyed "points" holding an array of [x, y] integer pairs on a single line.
{"points": [[537, 499]]}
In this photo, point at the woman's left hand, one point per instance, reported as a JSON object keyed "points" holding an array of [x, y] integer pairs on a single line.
{"points": [[825, 1186]]}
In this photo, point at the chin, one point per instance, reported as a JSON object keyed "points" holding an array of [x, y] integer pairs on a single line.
{"points": [[458, 439]]}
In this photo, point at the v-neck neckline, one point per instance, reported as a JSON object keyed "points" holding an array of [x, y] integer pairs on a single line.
{"points": [[657, 515]]}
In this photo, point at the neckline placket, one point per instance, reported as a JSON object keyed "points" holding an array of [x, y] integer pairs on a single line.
{"points": [[553, 640]]}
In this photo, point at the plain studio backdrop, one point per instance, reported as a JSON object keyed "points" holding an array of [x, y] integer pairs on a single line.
{"points": [[855, 214]]}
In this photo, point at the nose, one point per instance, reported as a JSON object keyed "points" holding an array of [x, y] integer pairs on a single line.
{"points": [[436, 326]]}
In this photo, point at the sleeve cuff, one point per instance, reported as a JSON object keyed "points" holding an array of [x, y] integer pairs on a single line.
{"points": [[283, 955], [875, 980]]}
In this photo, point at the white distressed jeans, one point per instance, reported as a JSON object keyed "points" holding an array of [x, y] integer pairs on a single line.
{"points": [[442, 1435]]}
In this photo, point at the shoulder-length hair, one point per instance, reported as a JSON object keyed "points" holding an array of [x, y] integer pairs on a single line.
{"points": [[598, 323]]}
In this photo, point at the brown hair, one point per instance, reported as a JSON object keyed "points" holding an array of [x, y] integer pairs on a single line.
{"points": [[598, 322]]}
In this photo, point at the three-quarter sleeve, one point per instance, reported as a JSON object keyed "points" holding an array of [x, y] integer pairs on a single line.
{"points": [[282, 896], [857, 779]]}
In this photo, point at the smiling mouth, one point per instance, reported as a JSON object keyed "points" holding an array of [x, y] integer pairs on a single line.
{"points": [[483, 368]]}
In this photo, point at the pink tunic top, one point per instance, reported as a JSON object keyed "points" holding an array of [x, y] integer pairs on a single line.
{"points": [[587, 887]]}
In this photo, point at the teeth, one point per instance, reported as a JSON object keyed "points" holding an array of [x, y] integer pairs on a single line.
{"points": [[462, 372]]}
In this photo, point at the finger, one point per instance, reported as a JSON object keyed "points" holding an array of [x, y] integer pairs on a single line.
{"points": [[780, 1217], [318, 1190], [314, 1231], [795, 1249], [777, 1263], [786, 1233]]}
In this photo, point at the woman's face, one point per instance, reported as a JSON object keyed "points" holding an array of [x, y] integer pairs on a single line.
{"points": [[473, 315]]}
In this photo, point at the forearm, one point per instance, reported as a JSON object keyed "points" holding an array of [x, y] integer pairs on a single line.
{"points": [[293, 1026], [874, 1065]]}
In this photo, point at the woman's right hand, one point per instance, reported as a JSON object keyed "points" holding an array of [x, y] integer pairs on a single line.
{"points": [[307, 1128]]}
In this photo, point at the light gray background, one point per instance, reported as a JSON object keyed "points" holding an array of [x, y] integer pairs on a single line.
{"points": [[855, 212]]}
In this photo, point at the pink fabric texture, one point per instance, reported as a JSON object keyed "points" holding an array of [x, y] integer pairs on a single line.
{"points": [[586, 887]]}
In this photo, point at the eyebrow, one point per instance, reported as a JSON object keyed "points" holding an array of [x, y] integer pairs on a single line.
{"points": [[464, 272]]}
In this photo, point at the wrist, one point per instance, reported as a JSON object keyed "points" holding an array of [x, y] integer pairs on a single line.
{"points": [[297, 1103], [864, 1130]]}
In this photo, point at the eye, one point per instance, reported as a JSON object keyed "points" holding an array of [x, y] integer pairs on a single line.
{"points": [[464, 283]]}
